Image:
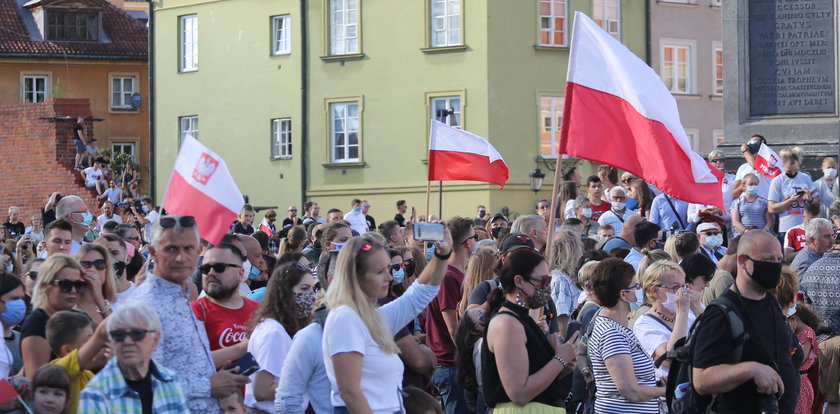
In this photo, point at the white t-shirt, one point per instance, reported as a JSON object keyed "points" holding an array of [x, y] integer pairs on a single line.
{"points": [[101, 220], [569, 210], [92, 175], [763, 182], [652, 333], [269, 344], [152, 216], [123, 296], [783, 187], [5, 361]]}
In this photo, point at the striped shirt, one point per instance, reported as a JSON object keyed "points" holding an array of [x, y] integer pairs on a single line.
{"points": [[610, 338], [108, 392], [752, 212]]}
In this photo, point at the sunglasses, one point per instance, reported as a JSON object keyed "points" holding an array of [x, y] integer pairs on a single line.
{"points": [[632, 287], [32, 274], [295, 211], [474, 237], [66, 286], [184, 221], [543, 280], [99, 264], [136, 335], [217, 267], [395, 267], [716, 160]]}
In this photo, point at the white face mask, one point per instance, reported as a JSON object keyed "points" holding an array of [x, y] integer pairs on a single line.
{"points": [[586, 212], [669, 304], [246, 269], [618, 205], [830, 173], [713, 242]]}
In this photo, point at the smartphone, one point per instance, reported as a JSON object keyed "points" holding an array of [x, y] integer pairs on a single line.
{"points": [[574, 326], [800, 193], [247, 364], [425, 231]]}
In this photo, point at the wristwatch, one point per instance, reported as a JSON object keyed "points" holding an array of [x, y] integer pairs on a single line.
{"points": [[562, 361]]}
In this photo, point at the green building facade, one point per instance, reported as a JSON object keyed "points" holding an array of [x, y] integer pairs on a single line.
{"points": [[337, 105]]}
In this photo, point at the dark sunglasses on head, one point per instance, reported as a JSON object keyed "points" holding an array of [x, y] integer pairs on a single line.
{"points": [[184, 221], [136, 335], [543, 280], [67, 286], [217, 267], [99, 264]]}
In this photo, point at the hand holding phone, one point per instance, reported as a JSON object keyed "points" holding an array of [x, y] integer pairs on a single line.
{"points": [[247, 364], [425, 231]]}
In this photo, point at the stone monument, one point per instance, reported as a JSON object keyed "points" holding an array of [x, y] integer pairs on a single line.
{"points": [[780, 76]]}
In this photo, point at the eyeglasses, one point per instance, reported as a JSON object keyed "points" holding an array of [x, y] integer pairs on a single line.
{"points": [[136, 335], [716, 160], [543, 280], [67, 286], [673, 288], [293, 210], [184, 221], [632, 287], [99, 264], [32, 274], [474, 237], [711, 233], [619, 198], [217, 267]]}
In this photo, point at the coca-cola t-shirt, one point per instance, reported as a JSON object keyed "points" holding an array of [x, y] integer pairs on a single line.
{"points": [[599, 209], [225, 327]]}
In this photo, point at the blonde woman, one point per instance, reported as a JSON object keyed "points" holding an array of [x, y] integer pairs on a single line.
{"points": [[98, 272], [481, 267], [57, 288], [360, 356], [564, 286], [650, 256]]}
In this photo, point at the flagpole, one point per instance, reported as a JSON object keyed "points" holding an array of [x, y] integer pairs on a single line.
{"points": [[428, 194], [440, 200], [555, 186]]}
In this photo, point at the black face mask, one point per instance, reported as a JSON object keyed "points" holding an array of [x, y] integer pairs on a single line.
{"points": [[753, 148], [791, 175], [495, 232], [766, 274], [409, 269]]}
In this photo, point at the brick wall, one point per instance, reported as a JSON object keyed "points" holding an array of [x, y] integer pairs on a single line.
{"points": [[37, 155]]}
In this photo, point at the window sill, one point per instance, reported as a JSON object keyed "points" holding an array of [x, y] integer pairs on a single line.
{"points": [[444, 49], [341, 165], [341, 58], [124, 110], [188, 71], [687, 96], [716, 98], [282, 158], [280, 54], [677, 4], [551, 48]]}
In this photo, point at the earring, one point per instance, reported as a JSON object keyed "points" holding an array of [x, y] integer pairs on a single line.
{"points": [[518, 300]]}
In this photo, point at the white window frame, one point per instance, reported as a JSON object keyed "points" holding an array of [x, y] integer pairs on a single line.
{"points": [[125, 144], [718, 136], [551, 19], [188, 43], [717, 47], [691, 65], [187, 125], [442, 24], [124, 96], [693, 135], [555, 120], [599, 12], [34, 77], [346, 132], [341, 41], [448, 103], [281, 35], [716, 3], [281, 138]]}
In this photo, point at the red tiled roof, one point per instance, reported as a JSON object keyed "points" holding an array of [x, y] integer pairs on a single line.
{"points": [[128, 37]]}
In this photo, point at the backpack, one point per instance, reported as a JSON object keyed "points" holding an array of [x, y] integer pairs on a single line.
{"points": [[680, 395]]}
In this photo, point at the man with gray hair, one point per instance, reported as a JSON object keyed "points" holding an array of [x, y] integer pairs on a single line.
{"points": [[533, 226], [819, 236], [73, 209], [184, 348], [618, 212]]}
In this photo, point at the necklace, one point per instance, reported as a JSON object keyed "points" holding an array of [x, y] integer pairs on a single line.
{"points": [[665, 318]]}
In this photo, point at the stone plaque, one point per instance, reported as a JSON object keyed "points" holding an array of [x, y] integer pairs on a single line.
{"points": [[791, 57]]}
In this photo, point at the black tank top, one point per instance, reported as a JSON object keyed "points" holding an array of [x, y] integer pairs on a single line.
{"points": [[540, 353]]}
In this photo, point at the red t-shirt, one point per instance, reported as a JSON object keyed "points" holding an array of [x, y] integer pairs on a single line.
{"points": [[437, 335], [599, 209], [796, 238], [225, 327]]}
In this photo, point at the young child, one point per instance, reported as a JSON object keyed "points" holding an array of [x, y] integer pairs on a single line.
{"points": [[795, 237], [233, 404], [50, 389], [803, 321], [71, 337]]}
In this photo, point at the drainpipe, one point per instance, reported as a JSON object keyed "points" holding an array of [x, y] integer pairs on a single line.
{"points": [[304, 100], [152, 103]]}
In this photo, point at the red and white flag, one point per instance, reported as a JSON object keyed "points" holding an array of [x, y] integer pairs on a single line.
{"points": [[201, 186], [767, 162], [455, 154], [265, 227], [618, 112]]}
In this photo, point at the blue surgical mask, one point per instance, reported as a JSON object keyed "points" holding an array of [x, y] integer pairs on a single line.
{"points": [[336, 246], [639, 300], [14, 313], [86, 218], [145, 208], [752, 190], [254, 273], [398, 276]]}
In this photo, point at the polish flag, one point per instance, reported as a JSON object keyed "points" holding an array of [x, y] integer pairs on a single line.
{"points": [[456, 154], [767, 162], [7, 391], [618, 112], [265, 228], [201, 186]]}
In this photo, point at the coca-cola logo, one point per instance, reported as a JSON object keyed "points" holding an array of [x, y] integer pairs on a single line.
{"points": [[232, 336]]}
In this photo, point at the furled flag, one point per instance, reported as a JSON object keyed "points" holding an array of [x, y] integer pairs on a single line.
{"points": [[265, 227], [767, 162], [201, 186], [456, 154], [618, 112], [7, 391]]}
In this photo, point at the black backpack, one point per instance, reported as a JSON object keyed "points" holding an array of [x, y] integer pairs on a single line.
{"points": [[680, 394]]}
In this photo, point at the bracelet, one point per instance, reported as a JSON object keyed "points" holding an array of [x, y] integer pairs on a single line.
{"points": [[443, 257], [562, 361], [743, 151]]}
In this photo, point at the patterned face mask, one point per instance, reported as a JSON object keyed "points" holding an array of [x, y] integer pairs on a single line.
{"points": [[305, 302]]}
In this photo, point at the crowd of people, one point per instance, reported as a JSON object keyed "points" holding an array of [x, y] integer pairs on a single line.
{"points": [[133, 312]]}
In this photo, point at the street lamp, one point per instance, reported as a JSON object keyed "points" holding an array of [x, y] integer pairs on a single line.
{"points": [[537, 178]]}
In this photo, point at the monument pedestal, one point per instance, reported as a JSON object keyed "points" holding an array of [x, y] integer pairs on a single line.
{"points": [[780, 77]]}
